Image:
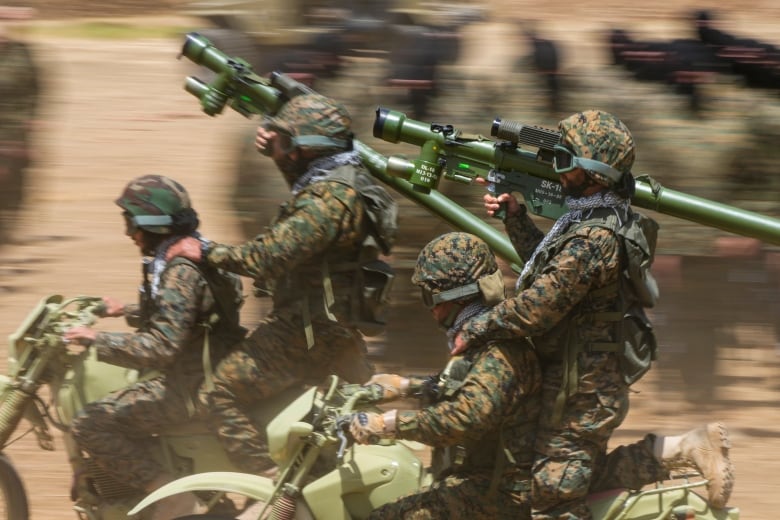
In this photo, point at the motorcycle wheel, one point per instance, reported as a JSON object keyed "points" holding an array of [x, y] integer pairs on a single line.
{"points": [[13, 499]]}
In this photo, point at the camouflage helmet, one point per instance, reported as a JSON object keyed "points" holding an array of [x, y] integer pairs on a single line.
{"points": [[314, 122], [455, 266], [601, 137], [154, 203]]}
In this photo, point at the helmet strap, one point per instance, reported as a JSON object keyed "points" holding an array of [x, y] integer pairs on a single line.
{"points": [[457, 293], [152, 220]]}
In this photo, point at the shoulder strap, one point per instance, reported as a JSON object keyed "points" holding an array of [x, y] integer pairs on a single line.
{"points": [[381, 207], [225, 288], [228, 299]]}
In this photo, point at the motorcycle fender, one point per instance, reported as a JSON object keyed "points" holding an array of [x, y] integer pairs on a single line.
{"points": [[252, 486]]}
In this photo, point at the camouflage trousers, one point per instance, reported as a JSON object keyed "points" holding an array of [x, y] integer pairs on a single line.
{"points": [[272, 358], [632, 466], [116, 430], [569, 449], [457, 497]]}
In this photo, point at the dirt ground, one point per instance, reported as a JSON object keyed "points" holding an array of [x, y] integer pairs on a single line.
{"points": [[116, 110]]}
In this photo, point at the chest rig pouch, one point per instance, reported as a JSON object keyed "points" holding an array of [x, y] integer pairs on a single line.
{"points": [[445, 460], [636, 290], [633, 338], [373, 277]]}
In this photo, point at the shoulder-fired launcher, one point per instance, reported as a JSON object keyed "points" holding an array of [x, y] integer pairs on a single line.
{"points": [[447, 152]]}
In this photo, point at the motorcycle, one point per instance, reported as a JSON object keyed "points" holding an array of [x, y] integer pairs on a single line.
{"points": [[39, 360], [321, 475]]}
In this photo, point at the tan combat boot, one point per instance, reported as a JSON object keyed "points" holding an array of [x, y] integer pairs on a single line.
{"points": [[707, 448], [174, 506]]}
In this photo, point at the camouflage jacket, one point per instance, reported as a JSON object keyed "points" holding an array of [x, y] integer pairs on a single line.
{"points": [[18, 90], [323, 221], [560, 289], [171, 340], [495, 408]]}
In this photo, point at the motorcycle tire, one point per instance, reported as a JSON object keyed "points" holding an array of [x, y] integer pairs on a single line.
{"points": [[13, 498]]}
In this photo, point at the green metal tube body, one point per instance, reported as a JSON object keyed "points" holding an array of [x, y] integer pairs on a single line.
{"points": [[439, 204], [395, 127], [263, 98], [235, 83], [249, 94], [707, 212]]}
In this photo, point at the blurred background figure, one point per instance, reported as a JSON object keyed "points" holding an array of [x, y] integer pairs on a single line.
{"points": [[757, 62], [545, 58], [19, 96], [685, 64]]}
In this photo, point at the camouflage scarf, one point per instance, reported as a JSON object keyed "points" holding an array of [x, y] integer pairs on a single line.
{"points": [[475, 308], [579, 210], [320, 168], [159, 262]]}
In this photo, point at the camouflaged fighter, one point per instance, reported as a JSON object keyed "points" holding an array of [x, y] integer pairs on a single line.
{"points": [[249, 94]]}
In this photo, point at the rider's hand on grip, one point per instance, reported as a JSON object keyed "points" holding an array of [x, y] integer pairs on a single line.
{"points": [[111, 308], [77, 339], [393, 386], [370, 427]]}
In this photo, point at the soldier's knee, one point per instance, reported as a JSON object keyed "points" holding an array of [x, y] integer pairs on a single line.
{"points": [[86, 423], [77, 427], [558, 481]]}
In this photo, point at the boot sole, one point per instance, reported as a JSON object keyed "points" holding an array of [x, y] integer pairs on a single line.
{"points": [[718, 436]]}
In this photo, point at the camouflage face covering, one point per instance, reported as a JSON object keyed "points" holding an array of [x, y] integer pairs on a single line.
{"points": [[600, 136], [453, 260]]}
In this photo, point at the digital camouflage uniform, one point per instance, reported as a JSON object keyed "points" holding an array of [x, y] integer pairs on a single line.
{"points": [[557, 304], [19, 97], [321, 228], [494, 409], [483, 407], [167, 349], [117, 429]]}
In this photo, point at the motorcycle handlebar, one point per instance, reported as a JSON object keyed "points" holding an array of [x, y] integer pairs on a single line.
{"points": [[63, 316]]}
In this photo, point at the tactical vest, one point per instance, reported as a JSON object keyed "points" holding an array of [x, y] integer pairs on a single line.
{"points": [[442, 387], [623, 302], [221, 327], [445, 460], [371, 279]]}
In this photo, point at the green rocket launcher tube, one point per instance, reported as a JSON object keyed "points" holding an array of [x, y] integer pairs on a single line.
{"points": [[237, 86], [448, 152], [509, 168], [235, 82]]}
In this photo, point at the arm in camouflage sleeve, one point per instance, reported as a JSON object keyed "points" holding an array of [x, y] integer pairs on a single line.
{"points": [[523, 233], [180, 296], [132, 314], [488, 393], [587, 260], [314, 224]]}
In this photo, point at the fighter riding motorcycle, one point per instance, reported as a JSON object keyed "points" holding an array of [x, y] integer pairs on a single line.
{"points": [[322, 474], [46, 385]]}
